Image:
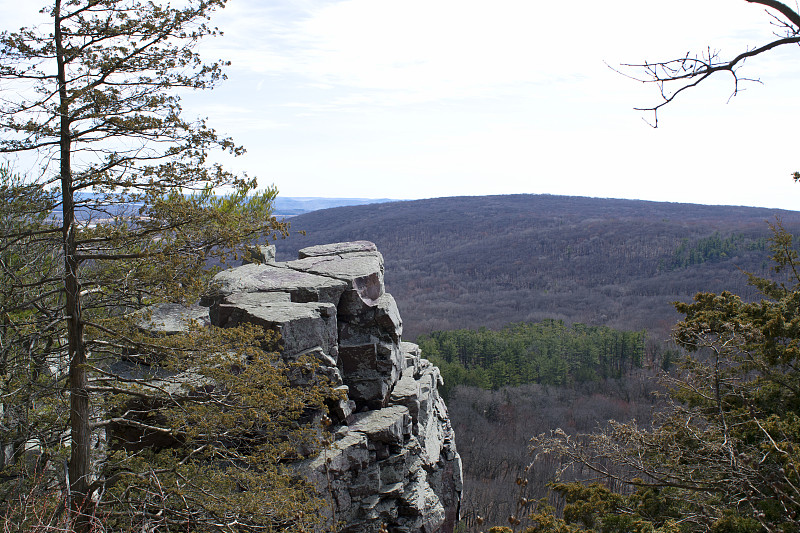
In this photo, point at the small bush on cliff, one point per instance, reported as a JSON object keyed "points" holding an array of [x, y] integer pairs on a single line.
{"points": [[723, 456]]}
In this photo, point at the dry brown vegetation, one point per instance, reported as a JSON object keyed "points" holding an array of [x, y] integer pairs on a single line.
{"points": [[467, 262], [493, 430]]}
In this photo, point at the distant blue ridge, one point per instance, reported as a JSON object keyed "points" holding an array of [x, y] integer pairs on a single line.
{"points": [[297, 205], [283, 205]]}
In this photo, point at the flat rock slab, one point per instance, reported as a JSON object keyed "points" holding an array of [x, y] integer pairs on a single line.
{"points": [[302, 326], [337, 248], [386, 425], [349, 453], [363, 271], [407, 388], [406, 392], [171, 318], [411, 353], [302, 286]]}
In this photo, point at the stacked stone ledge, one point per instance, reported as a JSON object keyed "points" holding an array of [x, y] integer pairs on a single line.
{"points": [[393, 460]]}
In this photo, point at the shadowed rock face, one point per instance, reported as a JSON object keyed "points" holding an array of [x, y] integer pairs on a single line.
{"points": [[393, 461]]}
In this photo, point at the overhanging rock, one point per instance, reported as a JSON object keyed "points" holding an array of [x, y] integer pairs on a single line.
{"points": [[393, 461]]}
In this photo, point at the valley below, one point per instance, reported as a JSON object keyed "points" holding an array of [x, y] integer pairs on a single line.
{"points": [[486, 262]]}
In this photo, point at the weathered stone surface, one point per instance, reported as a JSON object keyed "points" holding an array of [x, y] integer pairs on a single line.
{"points": [[343, 408], [387, 426], [359, 359], [368, 391], [264, 253], [407, 392], [367, 482], [319, 368], [393, 459], [363, 271], [350, 453], [301, 286], [302, 326], [219, 316], [380, 317], [432, 414], [371, 369], [426, 465], [165, 319], [387, 316], [411, 353], [394, 469], [337, 248], [171, 318]]}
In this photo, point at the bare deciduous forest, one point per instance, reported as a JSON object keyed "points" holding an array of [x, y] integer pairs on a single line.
{"points": [[468, 262], [493, 429], [472, 262]]}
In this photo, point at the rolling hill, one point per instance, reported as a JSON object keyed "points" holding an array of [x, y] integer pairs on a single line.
{"points": [[466, 262]]}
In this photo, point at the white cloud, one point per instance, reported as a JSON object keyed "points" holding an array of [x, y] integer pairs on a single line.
{"points": [[470, 48], [417, 98]]}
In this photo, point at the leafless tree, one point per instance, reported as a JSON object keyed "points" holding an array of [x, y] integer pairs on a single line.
{"points": [[674, 76]]}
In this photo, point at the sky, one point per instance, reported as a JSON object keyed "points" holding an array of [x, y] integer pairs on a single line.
{"points": [[427, 98]]}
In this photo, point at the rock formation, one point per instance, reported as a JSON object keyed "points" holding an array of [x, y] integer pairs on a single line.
{"points": [[393, 460]]}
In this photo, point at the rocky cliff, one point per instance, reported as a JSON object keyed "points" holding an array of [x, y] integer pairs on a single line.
{"points": [[393, 462]]}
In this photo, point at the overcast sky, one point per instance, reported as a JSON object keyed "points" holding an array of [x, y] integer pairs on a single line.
{"points": [[425, 98]]}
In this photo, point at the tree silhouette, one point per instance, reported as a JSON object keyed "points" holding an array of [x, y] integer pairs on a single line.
{"points": [[674, 76]]}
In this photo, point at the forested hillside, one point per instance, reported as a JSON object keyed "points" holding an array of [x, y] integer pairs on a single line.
{"points": [[570, 269], [502, 387], [468, 262]]}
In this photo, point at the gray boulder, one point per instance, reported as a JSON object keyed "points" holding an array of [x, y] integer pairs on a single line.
{"points": [[413, 479], [261, 254], [393, 459], [363, 271], [337, 248], [301, 286], [171, 318], [301, 326]]}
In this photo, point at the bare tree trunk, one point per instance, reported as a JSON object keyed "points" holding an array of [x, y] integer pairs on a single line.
{"points": [[78, 382]]}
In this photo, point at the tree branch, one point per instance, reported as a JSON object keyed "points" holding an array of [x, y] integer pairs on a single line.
{"points": [[692, 71], [785, 10]]}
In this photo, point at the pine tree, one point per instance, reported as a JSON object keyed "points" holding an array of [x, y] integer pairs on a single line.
{"points": [[189, 430], [722, 455]]}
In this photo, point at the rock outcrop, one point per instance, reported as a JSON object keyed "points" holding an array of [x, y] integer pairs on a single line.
{"points": [[393, 459]]}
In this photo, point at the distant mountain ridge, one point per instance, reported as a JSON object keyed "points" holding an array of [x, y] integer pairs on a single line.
{"points": [[297, 205], [284, 206], [466, 262]]}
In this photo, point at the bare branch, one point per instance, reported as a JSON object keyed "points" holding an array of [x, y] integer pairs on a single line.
{"points": [[785, 10], [674, 76]]}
